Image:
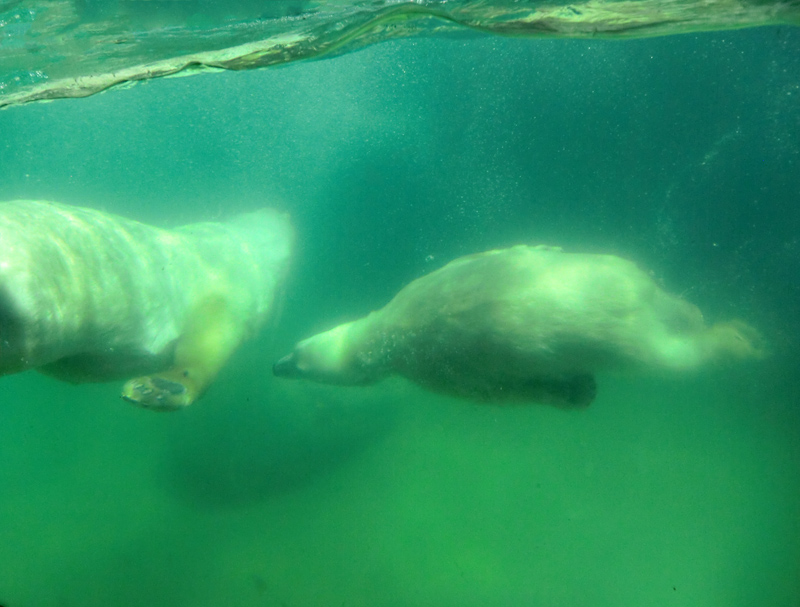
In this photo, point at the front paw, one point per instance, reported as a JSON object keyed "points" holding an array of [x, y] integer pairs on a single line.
{"points": [[157, 393]]}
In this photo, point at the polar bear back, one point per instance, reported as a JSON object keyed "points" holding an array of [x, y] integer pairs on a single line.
{"points": [[76, 281], [567, 313]]}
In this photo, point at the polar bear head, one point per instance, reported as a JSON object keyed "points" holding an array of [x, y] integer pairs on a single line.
{"points": [[332, 357], [734, 340]]}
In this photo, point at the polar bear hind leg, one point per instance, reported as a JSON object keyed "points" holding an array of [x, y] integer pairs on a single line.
{"points": [[211, 335]]}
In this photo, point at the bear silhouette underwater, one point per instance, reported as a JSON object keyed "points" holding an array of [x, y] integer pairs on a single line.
{"points": [[86, 296], [522, 324]]}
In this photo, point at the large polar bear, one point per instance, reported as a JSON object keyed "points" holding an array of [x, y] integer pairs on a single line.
{"points": [[88, 296], [525, 324]]}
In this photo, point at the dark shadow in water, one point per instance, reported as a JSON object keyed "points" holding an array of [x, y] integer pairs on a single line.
{"points": [[245, 451]]}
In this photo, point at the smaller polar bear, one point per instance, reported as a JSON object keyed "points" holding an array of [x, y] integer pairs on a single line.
{"points": [[521, 324], [89, 296]]}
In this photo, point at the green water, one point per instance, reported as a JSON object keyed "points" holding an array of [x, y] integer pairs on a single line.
{"points": [[682, 153]]}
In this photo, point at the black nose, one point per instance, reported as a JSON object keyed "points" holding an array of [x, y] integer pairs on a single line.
{"points": [[285, 367]]}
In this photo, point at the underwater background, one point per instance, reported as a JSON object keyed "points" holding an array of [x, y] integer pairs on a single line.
{"points": [[681, 153]]}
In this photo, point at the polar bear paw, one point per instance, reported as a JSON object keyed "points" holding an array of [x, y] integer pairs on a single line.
{"points": [[157, 393]]}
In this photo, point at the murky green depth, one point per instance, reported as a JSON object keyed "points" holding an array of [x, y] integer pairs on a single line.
{"points": [[681, 153]]}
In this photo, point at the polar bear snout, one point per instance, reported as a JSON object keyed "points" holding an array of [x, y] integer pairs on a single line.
{"points": [[287, 367], [327, 358]]}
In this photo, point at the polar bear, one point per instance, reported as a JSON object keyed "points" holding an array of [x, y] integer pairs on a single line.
{"points": [[521, 324], [88, 296]]}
